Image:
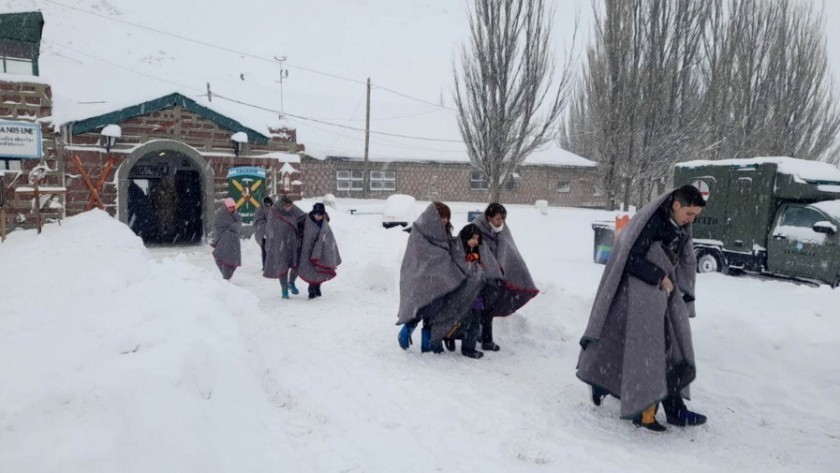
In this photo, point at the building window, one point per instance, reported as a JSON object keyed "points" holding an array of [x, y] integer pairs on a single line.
{"points": [[478, 181], [383, 180], [512, 182], [597, 192], [564, 186], [16, 65], [349, 180]]}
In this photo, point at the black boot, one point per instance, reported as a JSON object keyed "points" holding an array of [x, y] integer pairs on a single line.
{"points": [[676, 412], [312, 292], [487, 334], [449, 344], [598, 395], [471, 353], [318, 290]]}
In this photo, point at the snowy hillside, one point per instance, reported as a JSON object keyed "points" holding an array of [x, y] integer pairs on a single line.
{"points": [[122, 358]]}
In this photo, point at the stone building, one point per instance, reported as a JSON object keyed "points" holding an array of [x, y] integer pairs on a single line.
{"points": [[175, 151]]}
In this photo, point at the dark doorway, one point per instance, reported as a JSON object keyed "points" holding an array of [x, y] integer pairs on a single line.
{"points": [[164, 199]]}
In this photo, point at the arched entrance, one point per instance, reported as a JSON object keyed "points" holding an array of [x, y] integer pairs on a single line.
{"points": [[166, 193]]}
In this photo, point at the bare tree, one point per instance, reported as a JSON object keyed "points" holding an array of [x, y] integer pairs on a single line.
{"points": [[672, 80], [767, 82], [505, 94], [638, 108]]}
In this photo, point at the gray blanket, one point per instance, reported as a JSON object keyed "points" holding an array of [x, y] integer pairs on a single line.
{"points": [[638, 338], [225, 243], [319, 254], [433, 277], [260, 218], [517, 287], [455, 306], [282, 240]]}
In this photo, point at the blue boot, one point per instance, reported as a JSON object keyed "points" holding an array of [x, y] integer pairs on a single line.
{"points": [[404, 337], [293, 289], [285, 293], [425, 340]]}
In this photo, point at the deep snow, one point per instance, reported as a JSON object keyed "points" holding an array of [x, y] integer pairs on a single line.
{"points": [[122, 358]]}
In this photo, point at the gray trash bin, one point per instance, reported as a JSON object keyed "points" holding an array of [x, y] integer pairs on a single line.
{"points": [[604, 237]]}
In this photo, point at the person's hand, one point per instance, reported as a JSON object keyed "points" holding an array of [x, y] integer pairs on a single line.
{"points": [[667, 285]]}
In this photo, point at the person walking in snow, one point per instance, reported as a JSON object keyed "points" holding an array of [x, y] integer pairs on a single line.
{"points": [[433, 280], [516, 287], [283, 231], [225, 243], [260, 218], [319, 256], [467, 328], [637, 345]]}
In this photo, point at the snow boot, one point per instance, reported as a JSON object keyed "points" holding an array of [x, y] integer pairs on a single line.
{"points": [[404, 337], [598, 395], [425, 340], [685, 417], [285, 294], [471, 353], [648, 420], [312, 292], [293, 289], [318, 290], [490, 346], [449, 343], [676, 412]]}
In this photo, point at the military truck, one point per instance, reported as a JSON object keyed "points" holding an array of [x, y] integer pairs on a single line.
{"points": [[775, 215]]}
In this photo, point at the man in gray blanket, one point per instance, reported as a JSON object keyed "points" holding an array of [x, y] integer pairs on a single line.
{"points": [[637, 345], [226, 246]]}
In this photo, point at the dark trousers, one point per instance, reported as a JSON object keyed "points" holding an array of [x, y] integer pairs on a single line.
{"points": [[469, 329], [262, 249], [490, 294]]}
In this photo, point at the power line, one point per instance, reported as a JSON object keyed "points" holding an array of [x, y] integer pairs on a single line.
{"points": [[299, 117], [134, 71], [237, 52]]}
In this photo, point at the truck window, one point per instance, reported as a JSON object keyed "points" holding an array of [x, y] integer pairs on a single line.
{"points": [[800, 217]]}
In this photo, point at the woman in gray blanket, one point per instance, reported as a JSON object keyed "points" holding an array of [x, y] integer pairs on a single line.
{"points": [[226, 247], [516, 287], [283, 232], [319, 256], [435, 286]]}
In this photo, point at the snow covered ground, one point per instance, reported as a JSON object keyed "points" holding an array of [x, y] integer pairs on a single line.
{"points": [[121, 358]]}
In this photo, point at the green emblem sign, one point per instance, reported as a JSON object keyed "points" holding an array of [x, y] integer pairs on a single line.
{"points": [[246, 186]]}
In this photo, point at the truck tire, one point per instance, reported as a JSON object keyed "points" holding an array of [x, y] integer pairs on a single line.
{"points": [[708, 262]]}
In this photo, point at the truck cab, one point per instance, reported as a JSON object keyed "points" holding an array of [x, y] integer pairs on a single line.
{"points": [[804, 241]]}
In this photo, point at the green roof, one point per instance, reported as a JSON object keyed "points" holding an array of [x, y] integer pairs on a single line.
{"points": [[168, 101], [24, 27]]}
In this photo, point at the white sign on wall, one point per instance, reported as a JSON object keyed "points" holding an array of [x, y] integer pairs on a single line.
{"points": [[20, 140]]}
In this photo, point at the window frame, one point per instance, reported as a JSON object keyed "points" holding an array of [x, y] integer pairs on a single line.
{"points": [[353, 178], [385, 180], [480, 178]]}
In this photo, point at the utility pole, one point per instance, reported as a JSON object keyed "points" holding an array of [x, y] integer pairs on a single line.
{"points": [[209, 94], [284, 73], [366, 181]]}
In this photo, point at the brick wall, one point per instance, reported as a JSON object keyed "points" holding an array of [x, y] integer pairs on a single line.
{"points": [[183, 126], [28, 102], [451, 182]]}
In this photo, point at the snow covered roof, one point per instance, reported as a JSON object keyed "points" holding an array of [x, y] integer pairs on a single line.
{"points": [[82, 123], [802, 168], [553, 156]]}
